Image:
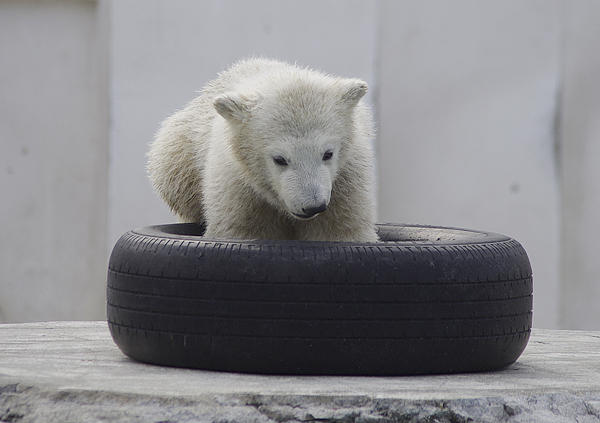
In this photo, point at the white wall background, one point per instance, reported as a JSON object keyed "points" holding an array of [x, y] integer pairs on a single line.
{"points": [[53, 160], [488, 116], [468, 102]]}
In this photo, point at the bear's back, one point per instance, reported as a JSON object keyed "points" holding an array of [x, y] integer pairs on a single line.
{"points": [[244, 74]]}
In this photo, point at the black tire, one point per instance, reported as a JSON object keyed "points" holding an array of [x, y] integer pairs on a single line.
{"points": [[424, 300]]}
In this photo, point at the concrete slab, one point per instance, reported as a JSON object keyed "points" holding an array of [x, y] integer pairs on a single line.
{"points": [[73, 372]]}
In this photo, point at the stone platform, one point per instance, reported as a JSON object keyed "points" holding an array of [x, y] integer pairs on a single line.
{"points": [[73, 372]]}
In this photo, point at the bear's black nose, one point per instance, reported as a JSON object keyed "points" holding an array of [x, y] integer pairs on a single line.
{"points": [[311, 211]]}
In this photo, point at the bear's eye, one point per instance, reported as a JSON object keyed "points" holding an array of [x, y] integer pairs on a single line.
{"points": [[328, 155], [280, 161]]}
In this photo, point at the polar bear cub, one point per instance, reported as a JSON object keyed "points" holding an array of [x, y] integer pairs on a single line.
{"points": [[270, 150]]}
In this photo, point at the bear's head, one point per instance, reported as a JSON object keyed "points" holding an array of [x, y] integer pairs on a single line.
{"points": [[291, 136]]}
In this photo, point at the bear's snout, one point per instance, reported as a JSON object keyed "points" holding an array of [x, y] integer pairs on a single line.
{"points": [[313, 211], [310, 212]]}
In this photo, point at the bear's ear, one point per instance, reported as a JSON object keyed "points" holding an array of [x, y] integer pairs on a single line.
{"points": [[354, 90], [233, 107]]}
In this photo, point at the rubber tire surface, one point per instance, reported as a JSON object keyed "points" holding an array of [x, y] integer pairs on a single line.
{"points": [[425, 300]]}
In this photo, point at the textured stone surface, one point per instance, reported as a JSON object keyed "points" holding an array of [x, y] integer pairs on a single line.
{"points": [[72, 372]]}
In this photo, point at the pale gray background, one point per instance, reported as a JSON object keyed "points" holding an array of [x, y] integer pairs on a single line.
{"points": [[488, 116]]}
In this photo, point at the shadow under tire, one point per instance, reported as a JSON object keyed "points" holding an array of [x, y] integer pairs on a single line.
{"points": [[424, 300]]}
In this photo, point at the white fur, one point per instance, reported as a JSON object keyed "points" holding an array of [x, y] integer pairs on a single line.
{"points": [[266, 145]]}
